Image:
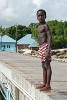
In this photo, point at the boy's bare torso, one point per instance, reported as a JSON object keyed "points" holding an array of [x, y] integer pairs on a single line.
{"points": [[42, 36]]}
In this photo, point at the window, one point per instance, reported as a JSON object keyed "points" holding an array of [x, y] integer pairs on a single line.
{"points": [[9, 46]]}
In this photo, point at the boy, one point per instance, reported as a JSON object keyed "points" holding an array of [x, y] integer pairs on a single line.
{"points": [[44, 37]]}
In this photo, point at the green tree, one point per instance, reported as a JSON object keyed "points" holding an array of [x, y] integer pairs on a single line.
{"points": [[18, 30], [33, 28]]}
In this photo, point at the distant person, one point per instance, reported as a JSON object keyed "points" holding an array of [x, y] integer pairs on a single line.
{"points": [[44, 38], [3, 48]]}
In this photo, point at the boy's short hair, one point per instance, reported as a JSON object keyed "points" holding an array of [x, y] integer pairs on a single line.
{"points": [[42, 11]]}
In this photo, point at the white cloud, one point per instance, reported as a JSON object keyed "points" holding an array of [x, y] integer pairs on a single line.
{"points": [[37, 2], [24, 11], [9, 14], [3, 4], [17, 11], [56, 9]]}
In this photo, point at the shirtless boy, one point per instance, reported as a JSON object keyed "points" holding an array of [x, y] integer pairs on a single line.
{"points": [[44, 38]]}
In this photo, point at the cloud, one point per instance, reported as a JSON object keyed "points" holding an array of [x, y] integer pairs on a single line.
{"points": [[37, 2], [24, 11], [9, 14], [56, 9], [3, 4], [17, 11]]}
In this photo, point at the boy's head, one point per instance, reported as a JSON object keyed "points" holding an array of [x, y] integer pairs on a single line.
{"points": [[41, 15]]}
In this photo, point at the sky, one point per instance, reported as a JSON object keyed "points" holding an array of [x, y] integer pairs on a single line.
{"points": [[23, 12]]}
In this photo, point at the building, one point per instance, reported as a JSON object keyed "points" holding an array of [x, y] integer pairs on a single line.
{"points": [[34, 46], [7, 44], [25, 41]]}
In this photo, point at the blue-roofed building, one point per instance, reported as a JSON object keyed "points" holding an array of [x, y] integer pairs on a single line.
{"points": [[34, 45], [7, 44], [25, 41]]}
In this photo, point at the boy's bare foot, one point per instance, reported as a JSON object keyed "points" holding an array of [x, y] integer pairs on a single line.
{"points": [[46, 88], [40, 86]]}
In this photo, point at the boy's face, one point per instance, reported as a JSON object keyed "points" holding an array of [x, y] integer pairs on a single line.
{"points": [[41, 16]]}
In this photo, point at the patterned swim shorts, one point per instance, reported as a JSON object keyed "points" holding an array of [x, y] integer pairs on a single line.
{"points": [[42, 52]]}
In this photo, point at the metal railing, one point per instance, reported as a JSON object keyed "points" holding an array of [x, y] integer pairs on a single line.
{"points": [[6, 92]]}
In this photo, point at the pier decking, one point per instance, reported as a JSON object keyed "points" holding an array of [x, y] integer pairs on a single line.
{"points": [[26, 71]]}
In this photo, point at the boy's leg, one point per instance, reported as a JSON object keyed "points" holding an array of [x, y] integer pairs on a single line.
{"points": [[44, 76], [49, 73], [44, 73]]}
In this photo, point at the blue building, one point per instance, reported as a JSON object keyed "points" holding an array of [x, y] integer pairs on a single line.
{"points": [[25, 41], [7, 44], [34, 45]]}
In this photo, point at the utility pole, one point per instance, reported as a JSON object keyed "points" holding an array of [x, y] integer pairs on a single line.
{"points": [[16, 37], [1, 40]]}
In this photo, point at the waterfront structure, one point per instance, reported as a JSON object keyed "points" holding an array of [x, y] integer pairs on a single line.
{"points": [[7, 44]]}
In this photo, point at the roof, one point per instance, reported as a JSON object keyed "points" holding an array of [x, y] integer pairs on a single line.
{"points": [[34, 44], [6, 38], [26, 39]]}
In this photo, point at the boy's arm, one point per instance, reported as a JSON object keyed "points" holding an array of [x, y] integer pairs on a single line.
{"points": [[49, 38]]}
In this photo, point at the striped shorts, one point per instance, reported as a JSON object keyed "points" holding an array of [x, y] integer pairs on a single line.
{"points": [[42, 52]]}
